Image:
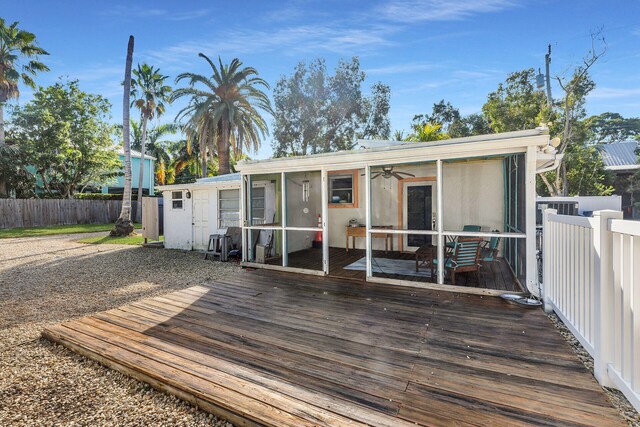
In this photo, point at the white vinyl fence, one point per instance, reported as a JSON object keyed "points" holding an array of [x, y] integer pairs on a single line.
{"points": [[591, 279]]}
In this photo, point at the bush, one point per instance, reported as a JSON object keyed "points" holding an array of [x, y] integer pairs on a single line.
{"points": [[97, 196]]}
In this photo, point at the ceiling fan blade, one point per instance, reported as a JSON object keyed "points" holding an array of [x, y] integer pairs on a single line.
{"points": [[375, 175], [406, 173], [396, 175]]}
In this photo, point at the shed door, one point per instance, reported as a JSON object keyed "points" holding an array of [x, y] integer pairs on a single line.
{"points": [[200, 219]]}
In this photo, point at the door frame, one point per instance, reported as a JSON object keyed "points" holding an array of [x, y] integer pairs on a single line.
{"points": [[419, 180]]}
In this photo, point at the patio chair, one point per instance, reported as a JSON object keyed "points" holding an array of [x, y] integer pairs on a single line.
{"points": [[489, 253], [468, 228], [465, 257]]}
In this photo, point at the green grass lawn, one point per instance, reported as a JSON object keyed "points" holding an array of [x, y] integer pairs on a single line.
{"points": [[55, 229], [128, 240]]}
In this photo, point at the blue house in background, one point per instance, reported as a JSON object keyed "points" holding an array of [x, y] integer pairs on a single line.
{"points": [[117, 187]]}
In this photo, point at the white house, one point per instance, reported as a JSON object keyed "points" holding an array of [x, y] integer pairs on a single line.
{"points": [[194, 211], [409, 202]]}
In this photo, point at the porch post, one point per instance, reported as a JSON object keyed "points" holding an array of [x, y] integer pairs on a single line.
{"points": [[283, 218], [325, 221], [243, 222], [439, 224], [530, 220], [367, 206]]}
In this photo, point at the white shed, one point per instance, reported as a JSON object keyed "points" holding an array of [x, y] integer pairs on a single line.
{"points": [[194, 211]]}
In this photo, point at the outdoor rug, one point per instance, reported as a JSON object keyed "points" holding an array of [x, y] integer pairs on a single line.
{"points": [[405, 267]]}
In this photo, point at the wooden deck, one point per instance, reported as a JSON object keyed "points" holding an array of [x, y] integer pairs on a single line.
{"points": [[501, 278], [280, 349]]}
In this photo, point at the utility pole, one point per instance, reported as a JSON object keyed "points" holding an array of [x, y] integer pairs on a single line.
{"points": [[547, 61], [543, 80]]}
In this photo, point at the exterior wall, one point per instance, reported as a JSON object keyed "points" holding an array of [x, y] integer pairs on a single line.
{"points": [[135, 173], [296, 215], [179, 225]]}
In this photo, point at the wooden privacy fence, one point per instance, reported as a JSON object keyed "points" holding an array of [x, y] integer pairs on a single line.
{"points": [[591, 279], [42, 212]]}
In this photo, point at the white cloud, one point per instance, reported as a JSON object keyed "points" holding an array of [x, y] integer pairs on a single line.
{"points": [[409, 11], [410, 67], [141, 12], [610, 92], [293, 40]]}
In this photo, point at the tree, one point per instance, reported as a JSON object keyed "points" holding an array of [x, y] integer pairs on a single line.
{"points": [[123, 225], [376, 112], [612, 127], [424, 132], [64, 135], [317, 113], [586, 174], [149, 94], [225, 108], [516, 104], [19, 54], [156, 147], [453, 123], [572, 112]]}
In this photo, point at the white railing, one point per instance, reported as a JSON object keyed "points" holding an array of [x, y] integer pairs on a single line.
{"points": [[591, 279], [624, 367], [569, 263]]}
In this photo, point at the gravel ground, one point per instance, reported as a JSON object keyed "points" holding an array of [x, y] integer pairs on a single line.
{"points": [[47, 280], [615, 396]]}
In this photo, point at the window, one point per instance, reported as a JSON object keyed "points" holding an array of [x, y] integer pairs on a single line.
{"points": [[176, 200], [257, 205], [343, 189], [228, 208]]}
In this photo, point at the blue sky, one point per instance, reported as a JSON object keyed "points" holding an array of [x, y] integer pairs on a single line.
{"points": [[426, 50]]}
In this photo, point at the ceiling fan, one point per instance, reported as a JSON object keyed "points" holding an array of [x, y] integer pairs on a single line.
{"points": [[388, 172]]}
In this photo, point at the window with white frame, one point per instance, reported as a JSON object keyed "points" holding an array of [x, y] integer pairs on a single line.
{"points": [[228, 208], [177, 201], [257, 206]]}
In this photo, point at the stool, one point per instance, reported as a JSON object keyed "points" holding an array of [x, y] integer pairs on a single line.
{"points": [[217, 247]]}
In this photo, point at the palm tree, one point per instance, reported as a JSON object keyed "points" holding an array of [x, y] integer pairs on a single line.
{"points": [[123, 225], [150, 94], [18, 62], [185, 157], [398, 135], [424, 132], [223, 109], [157, 148]]}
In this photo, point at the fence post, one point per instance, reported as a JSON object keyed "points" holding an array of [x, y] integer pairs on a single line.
{"points": [[546, 259], [603, 339]]}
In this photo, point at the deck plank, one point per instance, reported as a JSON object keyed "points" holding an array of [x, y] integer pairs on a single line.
{"points": [[273, 348]]}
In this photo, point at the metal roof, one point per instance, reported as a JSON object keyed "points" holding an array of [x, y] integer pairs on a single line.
{"points": [[620, 155], [381, 146], [135, 154], [220, 178]]}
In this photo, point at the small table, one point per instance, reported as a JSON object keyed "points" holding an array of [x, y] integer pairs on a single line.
{"points": [[361, 231], [425, 256]]}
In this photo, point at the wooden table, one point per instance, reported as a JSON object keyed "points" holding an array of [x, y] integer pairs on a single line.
{"points": [[361, 231]]}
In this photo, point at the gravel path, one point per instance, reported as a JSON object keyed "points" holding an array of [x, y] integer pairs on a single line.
{"points": [[47, 280]]}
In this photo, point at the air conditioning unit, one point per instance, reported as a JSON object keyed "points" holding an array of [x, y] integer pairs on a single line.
{"points": [[260, 254]]}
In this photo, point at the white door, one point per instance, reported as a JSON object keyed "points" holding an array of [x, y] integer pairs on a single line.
{"points": [[200, 219], [419, 212]]}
